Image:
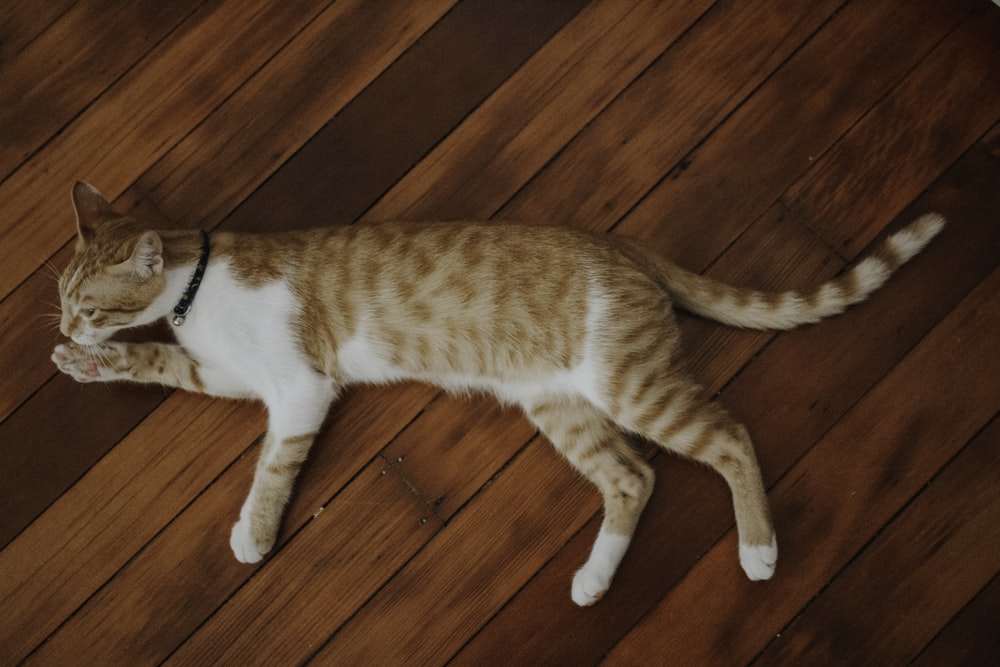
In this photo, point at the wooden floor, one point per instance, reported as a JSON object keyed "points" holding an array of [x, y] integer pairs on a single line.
{"points": [[765, 142]]}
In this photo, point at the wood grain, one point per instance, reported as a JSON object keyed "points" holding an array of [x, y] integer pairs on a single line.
{"points": [[377, 138], [283, 105], [566, 84], [191, 543], [70, 62], [688, 125], [968, 639], [123, 501], [920, 570], [23, 21], [648, 130], [725, 184], [492, 546], [913, 134], [355, 544]]}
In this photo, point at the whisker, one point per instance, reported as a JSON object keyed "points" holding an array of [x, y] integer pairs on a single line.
{"points": [[48, 321], [53, 270]]}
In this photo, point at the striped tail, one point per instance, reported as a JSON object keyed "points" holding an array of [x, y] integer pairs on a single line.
{"points": [[754, 309]]}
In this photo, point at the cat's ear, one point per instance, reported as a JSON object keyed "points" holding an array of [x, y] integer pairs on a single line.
{"points": [[146, 260], [91, 210]]}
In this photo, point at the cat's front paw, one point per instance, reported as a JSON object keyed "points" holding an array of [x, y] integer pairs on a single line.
{"points": [[245, 546], [76, 362], [589, 586], [760, 560]]}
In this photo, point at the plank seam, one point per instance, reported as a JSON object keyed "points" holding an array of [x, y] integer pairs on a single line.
{"points": [[142, 549], [135, 63], [875, 536]]}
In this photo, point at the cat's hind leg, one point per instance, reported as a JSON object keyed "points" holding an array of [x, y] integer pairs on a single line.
{"points": [[677, 417], [295, 416], [599, 451]]}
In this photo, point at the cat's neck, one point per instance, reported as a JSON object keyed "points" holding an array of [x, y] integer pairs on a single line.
{"points": [[182, 251]]}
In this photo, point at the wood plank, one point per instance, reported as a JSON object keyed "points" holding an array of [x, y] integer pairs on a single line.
{"points": [[455, 446], [38, 441], [970, 638], [281, 107], [70, 63], [188, 563], [775, 253], [785, 408], [796, 115], [942, 107], [920, 570], [468, 569], [112, 512], [218, 48], [377, 138], [537, 111], [666, 112], [829, 505], [22, 21], [357, 542]]}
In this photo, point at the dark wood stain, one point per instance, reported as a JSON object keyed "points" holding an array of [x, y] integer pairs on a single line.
{"points": [[766, 146]]}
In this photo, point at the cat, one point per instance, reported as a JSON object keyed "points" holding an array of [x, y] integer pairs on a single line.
{"points": [[576, 328]]}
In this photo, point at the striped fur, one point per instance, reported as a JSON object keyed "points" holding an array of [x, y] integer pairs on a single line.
{"points": [[753, 309], [577, 329]]}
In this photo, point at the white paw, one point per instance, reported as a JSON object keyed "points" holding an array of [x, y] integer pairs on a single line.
{"points": [[93, 363], [589, 586], [244, 546], [759, 561], [74, 361]]}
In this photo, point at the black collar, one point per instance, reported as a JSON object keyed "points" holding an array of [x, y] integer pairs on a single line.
{"points": [[184, 305]]}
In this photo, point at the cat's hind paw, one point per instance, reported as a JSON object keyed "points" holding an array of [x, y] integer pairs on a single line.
{"points": [[244, 546], [760, 560]]}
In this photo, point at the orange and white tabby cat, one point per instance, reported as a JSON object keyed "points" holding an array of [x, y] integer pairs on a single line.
{"points": [[575, 328]]}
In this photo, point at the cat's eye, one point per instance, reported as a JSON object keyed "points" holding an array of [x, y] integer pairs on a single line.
{"points": [[89, 312]]}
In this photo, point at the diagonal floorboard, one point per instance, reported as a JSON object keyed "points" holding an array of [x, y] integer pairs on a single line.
{"points": [[763, 143]]}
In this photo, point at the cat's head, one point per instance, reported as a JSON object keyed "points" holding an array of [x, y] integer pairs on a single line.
{"points": [[115, 274]]}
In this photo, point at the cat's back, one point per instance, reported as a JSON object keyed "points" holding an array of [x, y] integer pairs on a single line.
{"points": [[471, 297]]}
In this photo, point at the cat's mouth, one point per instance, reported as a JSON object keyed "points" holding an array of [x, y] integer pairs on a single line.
{"points": [[90, 338]]}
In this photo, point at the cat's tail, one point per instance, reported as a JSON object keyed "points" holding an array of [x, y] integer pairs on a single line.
{"points": [[754, 309]]}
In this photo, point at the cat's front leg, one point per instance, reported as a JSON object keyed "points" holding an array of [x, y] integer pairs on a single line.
{"points": [[157, 363], [295, 416]]}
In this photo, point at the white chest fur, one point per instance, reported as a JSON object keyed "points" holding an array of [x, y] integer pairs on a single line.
{"points": [[243, 336]]}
